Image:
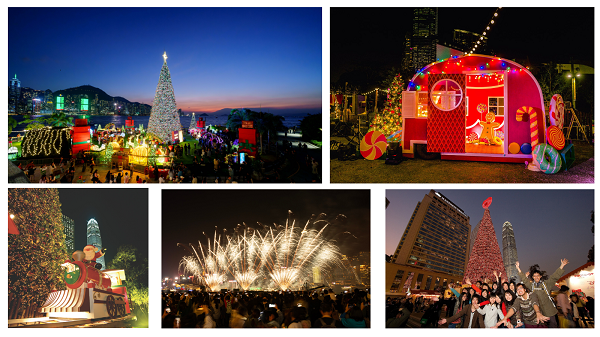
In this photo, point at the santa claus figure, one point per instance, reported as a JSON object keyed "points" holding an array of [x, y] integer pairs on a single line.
{"points": [[91, 254]]}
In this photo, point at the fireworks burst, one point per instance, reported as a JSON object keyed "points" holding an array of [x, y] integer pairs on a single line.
{"points": [[288, 255]]}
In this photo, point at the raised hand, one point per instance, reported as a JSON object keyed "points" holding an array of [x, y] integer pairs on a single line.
{"points": [[517, 265], [442, 321], [563, 263]]}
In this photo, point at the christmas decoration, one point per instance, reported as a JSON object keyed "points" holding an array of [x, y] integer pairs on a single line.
{"points": [[546, 158], [46, 142], [555, 137], [489, 126], [34, 255], [557, 111], [373, 145], [485, 256], [193, 121], [139, 156], [389, 121], [532, 122], [164, 119]]}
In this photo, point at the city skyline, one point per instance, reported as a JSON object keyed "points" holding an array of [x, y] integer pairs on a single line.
{"points": [[218, 57], [566, 231]]}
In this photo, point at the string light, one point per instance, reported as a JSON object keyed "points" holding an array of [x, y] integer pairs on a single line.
{"points": [[389, 121], [487, 28], [45, 142], [164, 119], [35, 255]]}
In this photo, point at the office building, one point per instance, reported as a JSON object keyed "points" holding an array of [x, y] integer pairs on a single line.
{"points": [[509, 251], [434, 248], [94, 238], [69, 230]]}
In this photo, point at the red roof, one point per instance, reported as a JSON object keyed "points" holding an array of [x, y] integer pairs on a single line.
{"points": [[564, 277]]}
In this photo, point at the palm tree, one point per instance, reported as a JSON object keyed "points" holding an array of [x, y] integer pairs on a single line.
{"points": [[59, 119]]}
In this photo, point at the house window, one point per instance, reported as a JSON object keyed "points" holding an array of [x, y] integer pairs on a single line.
{"points": [[446, 95], [496, 105], [422, 100]]}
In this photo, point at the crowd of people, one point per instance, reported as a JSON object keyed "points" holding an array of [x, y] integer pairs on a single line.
{"points": [[210, 160], [320, 308], [499, 304]]}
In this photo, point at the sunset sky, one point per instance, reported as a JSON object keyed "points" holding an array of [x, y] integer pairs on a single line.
{"points": [[218, 57]]}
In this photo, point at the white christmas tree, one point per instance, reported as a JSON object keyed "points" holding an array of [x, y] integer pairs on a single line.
{"points": [[164, 118], [193, 121]]}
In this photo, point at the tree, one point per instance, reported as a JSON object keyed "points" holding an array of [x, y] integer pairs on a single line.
{"points": [[164, 119], [311, 127], [193, 121], [34, 255], [389, 121], [12, 123], [59, 119], [235, 118], [552, 82], [136, 273]]}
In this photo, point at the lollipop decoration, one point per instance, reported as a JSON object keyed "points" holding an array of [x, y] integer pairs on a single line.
{"points": [[482, 108], [555, 137], [557, 111], [473, 137], [373, 145]]}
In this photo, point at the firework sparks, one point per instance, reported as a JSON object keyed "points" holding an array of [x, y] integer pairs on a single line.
{"points": [[288, 255]]}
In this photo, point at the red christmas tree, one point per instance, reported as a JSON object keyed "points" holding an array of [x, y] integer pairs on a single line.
{"points": [[485, 257]]}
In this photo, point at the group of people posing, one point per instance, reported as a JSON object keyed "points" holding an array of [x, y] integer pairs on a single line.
{"points": [[509, 304]]}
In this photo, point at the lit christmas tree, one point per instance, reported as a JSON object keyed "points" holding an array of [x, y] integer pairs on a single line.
{"points": [[389, 121], [193, 121], [164, 118], [34, 255], [485, 256]]}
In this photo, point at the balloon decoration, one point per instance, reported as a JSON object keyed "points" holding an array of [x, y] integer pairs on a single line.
{"points": [[373, 145], [526, 148], [514, 148]]}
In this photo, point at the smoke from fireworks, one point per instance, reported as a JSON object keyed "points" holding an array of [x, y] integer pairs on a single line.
{"points": [[287, 255]]}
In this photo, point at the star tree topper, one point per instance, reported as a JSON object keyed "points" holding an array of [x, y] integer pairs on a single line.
{"points": [[165, 56]]}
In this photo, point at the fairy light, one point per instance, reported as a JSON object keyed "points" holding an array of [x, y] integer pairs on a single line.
{"points": [[45, 142], [487, 28]]}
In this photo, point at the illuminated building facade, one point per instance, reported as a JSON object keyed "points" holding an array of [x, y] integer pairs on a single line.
{"points": [[509, 251], [422, 48], [434, 248], [93, 238], [13, 94]]}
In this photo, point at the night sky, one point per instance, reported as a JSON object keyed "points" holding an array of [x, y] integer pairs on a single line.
{"points": [[548, 224], [187, 213], [122, 216], [518, 33], [218, 57]]}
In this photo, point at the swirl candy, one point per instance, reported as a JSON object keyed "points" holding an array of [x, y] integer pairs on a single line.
{"points": [[481, 108], [555, 137], [473, 137], [373, 145], [532, 122], [557, 111]]}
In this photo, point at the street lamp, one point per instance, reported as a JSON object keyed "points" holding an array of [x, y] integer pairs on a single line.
{"points": [[573, 87]]}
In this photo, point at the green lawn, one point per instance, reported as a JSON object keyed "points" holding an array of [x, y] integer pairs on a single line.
{"points": [[446, 171]]}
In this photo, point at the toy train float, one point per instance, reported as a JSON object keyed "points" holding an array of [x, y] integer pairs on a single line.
{"points": [[91, 293]]}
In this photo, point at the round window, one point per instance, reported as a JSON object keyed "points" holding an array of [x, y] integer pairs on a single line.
{"points": [[446, 95]]}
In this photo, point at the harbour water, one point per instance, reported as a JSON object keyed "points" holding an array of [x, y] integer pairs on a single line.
{"points": [[290, 121]]}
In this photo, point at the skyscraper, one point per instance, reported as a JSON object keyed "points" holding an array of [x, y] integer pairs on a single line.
{"points": [[433, 250], [424, 38], [93, 238], [509, 251], [69, 230], [13, 94]]}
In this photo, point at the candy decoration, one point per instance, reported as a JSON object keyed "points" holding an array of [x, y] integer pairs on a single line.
{"points": [[557, 111], [532, 122], [497, 140], [500, 134], [555, 137], [489, 127], [481, 108], [473, 137], [486, 204], [514, 148], [546, 158], [526, 148], [373, 145]]}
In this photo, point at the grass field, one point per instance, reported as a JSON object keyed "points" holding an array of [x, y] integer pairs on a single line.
{"points": [[446, 171]]}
